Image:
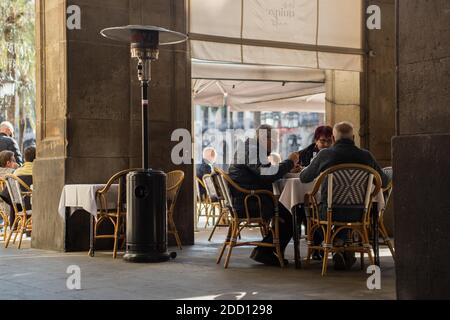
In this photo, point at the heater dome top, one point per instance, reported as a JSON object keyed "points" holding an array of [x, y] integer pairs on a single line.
{"points": [[139, 33]]}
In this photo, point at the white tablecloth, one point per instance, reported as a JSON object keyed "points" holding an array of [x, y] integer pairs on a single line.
{"points": [[82, 196], [292, 192]]}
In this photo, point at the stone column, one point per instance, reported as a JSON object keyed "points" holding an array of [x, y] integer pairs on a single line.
{"points": [[343, 99], [378, 85], [88, 105], [420, 151]]}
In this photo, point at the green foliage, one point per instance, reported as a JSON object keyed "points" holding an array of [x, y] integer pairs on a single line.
{"points": [[17, 59]]}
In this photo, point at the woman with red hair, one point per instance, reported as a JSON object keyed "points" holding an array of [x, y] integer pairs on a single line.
{"points": [[322, 140]]}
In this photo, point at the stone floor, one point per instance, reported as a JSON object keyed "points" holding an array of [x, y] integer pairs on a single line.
{"points": [[37, 274]]}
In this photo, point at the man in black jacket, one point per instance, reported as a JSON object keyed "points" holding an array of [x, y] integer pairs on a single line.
{"points": [[7, 141], [343, 150], [206, 167], [252, 170]]}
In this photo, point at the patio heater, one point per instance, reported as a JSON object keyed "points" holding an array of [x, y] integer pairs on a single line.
{"points": [[146, 234]]}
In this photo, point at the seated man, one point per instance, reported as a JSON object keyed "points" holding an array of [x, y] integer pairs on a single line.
{"points": [[27, 168], [26, 174], [343, 150], [206, 167], [249, 173]]}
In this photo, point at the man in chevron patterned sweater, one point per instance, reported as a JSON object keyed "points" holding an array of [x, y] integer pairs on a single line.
{"points": [[343, 150]]}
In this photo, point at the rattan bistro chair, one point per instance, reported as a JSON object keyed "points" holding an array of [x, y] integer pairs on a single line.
{"points": [[18, 191], [381, 227], [349, 186], [202, 204], [216, 198], [238, 223], [174, 181], [115, 215], [4, 208]]}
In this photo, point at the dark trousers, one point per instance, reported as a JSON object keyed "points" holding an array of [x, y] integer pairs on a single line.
{"points": [[285, 227]]}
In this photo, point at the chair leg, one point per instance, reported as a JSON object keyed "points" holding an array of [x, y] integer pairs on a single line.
{"points": [[310, 240], [16, 234], [11, 231], [207, 214], [327, 245], [21, 233], [366, 244], [232, 244], [5, 226], [387, 241], [215, 225], [325, 262], [362, 260], [279, 255], [174, 231], [116, 237], [308, 256], [226, 243], [276, 242]]}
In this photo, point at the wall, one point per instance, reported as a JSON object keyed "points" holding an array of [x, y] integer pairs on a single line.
{"points": [[420, 150], [88, 102]]}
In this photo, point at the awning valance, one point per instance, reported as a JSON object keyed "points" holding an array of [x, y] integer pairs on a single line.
{"points": [[320, 34]]}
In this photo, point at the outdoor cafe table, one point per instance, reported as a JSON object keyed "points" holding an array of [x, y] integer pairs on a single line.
{"points": [[292, 193], [82, 196]]}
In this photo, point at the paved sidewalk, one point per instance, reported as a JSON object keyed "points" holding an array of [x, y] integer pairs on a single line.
{"points": [[38, 274]]}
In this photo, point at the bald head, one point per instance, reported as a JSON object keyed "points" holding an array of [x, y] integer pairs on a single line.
{"points": [[7, 128], [343, 130], [209, 153]]}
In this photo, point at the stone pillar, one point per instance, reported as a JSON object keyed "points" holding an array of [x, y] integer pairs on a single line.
{"points": [[88, 102], [420, 151], [378, 92], [378, 85], [343, 99]]}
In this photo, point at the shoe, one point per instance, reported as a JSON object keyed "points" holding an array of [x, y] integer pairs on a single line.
{"points": [[350, 259], [339, 261], [317, 255], [269, 259]]}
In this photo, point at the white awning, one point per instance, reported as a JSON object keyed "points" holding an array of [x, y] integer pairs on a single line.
{"points": [[319, 34], [258, 88]]}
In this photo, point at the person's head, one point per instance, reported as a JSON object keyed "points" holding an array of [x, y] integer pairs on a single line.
{"points": [[274, 158], [343, 130], [7, 128], [322, 137], [7, 159], [30, 154], [210, 154], [265, 133]]}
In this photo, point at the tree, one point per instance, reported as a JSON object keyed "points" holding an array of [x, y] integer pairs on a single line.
{"points": [[17, 63]]}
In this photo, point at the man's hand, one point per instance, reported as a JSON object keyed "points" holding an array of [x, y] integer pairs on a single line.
{"points": [[294, 158], [297, 169]]}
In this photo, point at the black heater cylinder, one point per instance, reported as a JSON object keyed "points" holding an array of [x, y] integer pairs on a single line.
{"points": [[146, 217]]}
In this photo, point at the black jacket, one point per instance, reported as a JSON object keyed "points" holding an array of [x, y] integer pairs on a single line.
{"points": [[343, 151], [202, 169], [8, 143], [251, 173], [307, 154]]}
